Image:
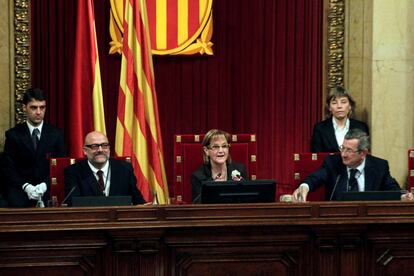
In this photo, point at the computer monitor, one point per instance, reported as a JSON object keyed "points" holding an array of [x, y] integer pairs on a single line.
{"points": [[371, 195], [245, 191]]}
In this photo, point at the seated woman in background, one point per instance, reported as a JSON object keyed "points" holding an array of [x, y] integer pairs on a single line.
{"points": [[217, 163], [329, 134]]}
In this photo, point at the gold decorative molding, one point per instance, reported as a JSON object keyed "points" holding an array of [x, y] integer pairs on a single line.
{"points": [[335, 40], [21, 54]]}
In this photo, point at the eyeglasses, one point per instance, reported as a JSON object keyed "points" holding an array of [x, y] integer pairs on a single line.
{"points": [[217, 147], [94, 147], [347, 150]]}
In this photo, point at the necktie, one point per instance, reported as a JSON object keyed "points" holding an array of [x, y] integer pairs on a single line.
{"points": [[35, 137], [353, 183], [100, 181]]}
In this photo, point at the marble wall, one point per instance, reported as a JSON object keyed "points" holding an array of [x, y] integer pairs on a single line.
{"points": [[379, 70], [358, 26]]}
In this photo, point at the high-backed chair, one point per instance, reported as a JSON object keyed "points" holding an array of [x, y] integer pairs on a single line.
{"points": [[57, 167], [410, 183], [303, 165], [188, 157]]}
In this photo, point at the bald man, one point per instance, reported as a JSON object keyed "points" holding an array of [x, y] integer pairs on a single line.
{"points": [[99, 175]]}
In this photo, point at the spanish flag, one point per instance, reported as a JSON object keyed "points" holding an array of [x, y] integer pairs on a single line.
{"points": [[138, 131], [86, 99]]}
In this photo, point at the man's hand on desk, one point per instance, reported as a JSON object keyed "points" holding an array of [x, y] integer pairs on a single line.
{"points": [[300, 194], [408, 196]]}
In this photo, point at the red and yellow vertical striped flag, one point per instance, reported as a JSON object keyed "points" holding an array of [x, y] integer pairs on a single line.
{"points": [[86, 99], [138, 131]]}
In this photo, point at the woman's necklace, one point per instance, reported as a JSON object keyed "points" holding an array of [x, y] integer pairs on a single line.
{"points": [[219, 176]]}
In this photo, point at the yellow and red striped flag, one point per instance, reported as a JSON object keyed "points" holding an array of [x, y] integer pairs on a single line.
{"points": [[86, 99], [182, 27], [138, 131]]}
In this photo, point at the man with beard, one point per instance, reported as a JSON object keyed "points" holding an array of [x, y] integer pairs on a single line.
{"points": [[99, 175]]}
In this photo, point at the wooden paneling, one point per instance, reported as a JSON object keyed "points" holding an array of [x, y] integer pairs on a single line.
{"points": [[325, 238]]}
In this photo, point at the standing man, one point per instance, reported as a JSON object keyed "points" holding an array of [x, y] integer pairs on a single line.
{"points": [[353, 170], [27, 150], [98, 175]]}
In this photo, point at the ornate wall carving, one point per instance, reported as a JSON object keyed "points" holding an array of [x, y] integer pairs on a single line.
{"points": [[335, 42], [22, 54]]}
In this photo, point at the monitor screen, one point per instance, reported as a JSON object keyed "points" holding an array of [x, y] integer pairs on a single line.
{"points": [[246, 191], [371, 195]]}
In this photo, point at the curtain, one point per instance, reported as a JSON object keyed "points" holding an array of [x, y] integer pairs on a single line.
{"points": [[265, 76]]}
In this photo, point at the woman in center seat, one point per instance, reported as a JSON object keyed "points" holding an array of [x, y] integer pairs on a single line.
{"points": [[218, 165]]}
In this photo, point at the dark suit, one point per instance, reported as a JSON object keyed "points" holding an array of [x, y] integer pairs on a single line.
{"points": [[204, 174], [323, 136], [122, 181], [333, 172], [25, 165]]}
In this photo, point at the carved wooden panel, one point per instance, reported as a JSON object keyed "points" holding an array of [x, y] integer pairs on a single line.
{"points": [[56, 254], [390, 250], [324, 238], [239, 251]]}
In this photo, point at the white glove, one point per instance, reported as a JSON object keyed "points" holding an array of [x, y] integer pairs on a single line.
{"points": [[31, 192], [41, 188]]}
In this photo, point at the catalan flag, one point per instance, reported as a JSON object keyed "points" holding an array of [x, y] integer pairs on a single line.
{"points": [[86, 99], [177, 27], [138, 131]]}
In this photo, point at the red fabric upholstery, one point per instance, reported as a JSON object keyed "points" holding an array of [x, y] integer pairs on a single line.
{"points": [[57, 187], [57, 166], [304, 164], [188, 157], [410, 169]]}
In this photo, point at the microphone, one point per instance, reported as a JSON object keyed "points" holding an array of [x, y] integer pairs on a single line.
{"points": [[336, 184], [154, 198], [217, 176], [66, 197], [195, 200]]}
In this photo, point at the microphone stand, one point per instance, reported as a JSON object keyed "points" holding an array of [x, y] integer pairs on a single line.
{"points": [[334, 188], [154, 199], [63, 204]]}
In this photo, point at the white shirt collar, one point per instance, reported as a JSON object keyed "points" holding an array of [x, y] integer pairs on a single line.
{"points": [[360, 168], [106, 176], [31, 127], [104, 168], [336, 126]]}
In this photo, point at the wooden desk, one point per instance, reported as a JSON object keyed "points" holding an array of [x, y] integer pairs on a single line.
{"points": [[324, 238]]}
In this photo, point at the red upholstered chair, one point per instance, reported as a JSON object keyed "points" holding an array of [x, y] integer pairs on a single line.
{"points": [[188, 157], [410, 183], [57, 187], [303, 165], [57, 166]]}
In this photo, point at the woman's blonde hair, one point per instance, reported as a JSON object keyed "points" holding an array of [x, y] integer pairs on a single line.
{"points": [[211, 135]]}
